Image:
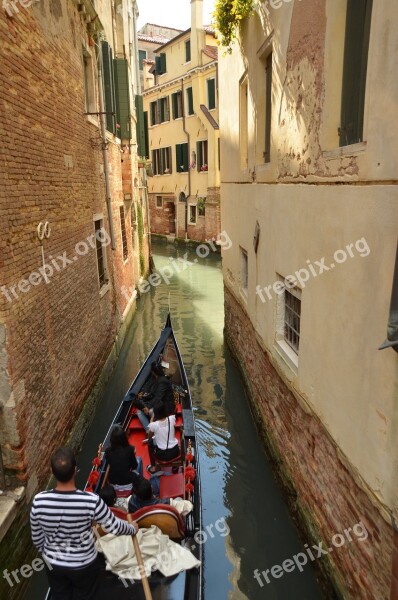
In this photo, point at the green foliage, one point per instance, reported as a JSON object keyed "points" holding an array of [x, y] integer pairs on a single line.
{"points": [[228, 14], [140, 223]]}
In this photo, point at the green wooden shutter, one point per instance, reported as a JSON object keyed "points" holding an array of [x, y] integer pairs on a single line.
{"points": [[109, 90], [211, 93], [146, 134], [123, 116], [188, 51], [140, 126], [356, 51], [199, 155], [190, 100], [158, 65], [268, 108], [174, 99], [163, 65], [185, 158], [178, 158]]}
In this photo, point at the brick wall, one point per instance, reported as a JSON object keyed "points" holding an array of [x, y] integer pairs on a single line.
{"points": [[309, 463], [56, 336]]}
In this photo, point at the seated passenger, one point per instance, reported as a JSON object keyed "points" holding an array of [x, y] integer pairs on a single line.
{"points": [[121, 459], [157, 390], [108, 495], [163, 444], [143, 496]]}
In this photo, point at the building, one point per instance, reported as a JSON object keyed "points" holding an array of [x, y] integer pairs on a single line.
{"points": [[150, 38], [181, 110], [74, 240], [308, 99]]}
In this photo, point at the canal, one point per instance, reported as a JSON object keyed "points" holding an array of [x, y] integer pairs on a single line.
{"points": [[237, 481]]}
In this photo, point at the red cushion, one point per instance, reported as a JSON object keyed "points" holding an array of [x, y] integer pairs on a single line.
{"points": [[172, 486], [119, 512]]}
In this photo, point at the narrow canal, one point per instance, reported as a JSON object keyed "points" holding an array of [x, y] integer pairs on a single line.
{"points": [[237, 481]]}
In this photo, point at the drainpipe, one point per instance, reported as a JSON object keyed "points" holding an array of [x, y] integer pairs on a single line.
{"points": [[189, 154], [105, 144]]}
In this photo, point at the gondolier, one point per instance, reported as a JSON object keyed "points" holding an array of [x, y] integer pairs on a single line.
{"points": [[61, 522]]}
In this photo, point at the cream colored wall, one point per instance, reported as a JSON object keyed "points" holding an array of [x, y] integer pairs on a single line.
{"points": [[341, 374], [179, 77]]}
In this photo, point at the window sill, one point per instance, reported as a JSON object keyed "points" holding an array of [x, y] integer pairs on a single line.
{"points": [[287, 354], [92, 120], [359, 148], [105, 288]]}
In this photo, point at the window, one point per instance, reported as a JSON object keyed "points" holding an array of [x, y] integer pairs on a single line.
{"points": [[176, 100], [89, 92], [292, 318], [161, 161], [268, 107], [101, 255], [211, 94], [201, 152], [159, 202], [164, 109], [160, 64], [244, 271], [122, 87], [154, 113], [188, 51], [109, 87], [142, 55], [192, 214], [201, 206], [243, 125], [356, 51], [141, 127], [124, 236], [190, 110], [182, 165]]}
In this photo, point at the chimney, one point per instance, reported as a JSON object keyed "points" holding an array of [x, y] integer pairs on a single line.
{"points": [[198, 36]]}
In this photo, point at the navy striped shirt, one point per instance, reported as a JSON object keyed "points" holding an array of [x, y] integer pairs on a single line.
{"points": [[61, 524]]}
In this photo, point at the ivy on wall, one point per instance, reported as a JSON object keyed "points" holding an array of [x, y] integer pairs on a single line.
{"points": [[227, 15]]}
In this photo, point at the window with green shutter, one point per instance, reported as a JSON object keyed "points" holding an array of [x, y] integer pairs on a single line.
{"points": [[146, 134], [109, 88], [123, 117], [190, 101], [356, 51], [201, 153], [188, 51], [160, 64], [154, 113], [211, 94], [164, 109], [142, 55], [182, 164], [140, 126], [177, 105]]}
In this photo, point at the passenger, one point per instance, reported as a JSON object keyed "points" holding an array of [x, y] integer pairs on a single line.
{"points": [[108, 495], [121, 459], [143, 496], [163, 444], [158, 390]]}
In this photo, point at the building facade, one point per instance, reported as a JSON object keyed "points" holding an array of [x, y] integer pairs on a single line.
{"points": [[74, 240], [181, 110], [309, 199], [150, 38]]}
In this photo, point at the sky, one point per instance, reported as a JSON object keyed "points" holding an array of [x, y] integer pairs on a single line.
{"points": [[174, 13]]}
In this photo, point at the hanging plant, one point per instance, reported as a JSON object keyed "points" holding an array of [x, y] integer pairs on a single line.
{"points": [[227, 15]]}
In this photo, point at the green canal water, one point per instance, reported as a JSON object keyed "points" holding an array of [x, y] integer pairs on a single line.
{"points": [[237, 481]]}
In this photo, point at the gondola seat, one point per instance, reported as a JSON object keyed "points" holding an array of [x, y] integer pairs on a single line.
{"points": [[172, 486], [164, 516]]}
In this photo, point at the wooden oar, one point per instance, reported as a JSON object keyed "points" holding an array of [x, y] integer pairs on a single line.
{"points": [[144, 579], [105, 480]]}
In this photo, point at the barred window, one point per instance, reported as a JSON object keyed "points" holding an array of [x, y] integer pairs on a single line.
{"points": [[124, 236], [292, 319]]}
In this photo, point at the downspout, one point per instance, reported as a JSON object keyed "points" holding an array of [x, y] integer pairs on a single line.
{"points": [[189, 154], [105, 144]]}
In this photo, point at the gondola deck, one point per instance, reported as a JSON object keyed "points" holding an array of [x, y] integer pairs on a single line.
{"points": [[188, 584]]}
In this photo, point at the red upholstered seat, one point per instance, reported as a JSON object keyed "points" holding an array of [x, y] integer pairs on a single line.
{"points": [[172, 486], [119, 512]]}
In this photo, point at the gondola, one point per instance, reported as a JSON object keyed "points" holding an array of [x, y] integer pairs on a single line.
{"points": [[187, 585]]}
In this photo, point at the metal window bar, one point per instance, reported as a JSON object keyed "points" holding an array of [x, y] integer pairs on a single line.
{"points": [[292, 320], [100, 256], [124, 235]]}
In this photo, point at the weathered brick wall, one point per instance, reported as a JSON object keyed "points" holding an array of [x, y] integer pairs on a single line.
{"points": [[213, 217], [329, 499], [57, 335], [160, 217]]}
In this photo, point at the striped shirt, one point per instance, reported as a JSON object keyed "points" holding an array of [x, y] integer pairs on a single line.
{"points": [[61, 524]]}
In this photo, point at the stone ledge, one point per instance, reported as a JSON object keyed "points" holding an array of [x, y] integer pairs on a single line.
{"points": [[8, 508]]}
